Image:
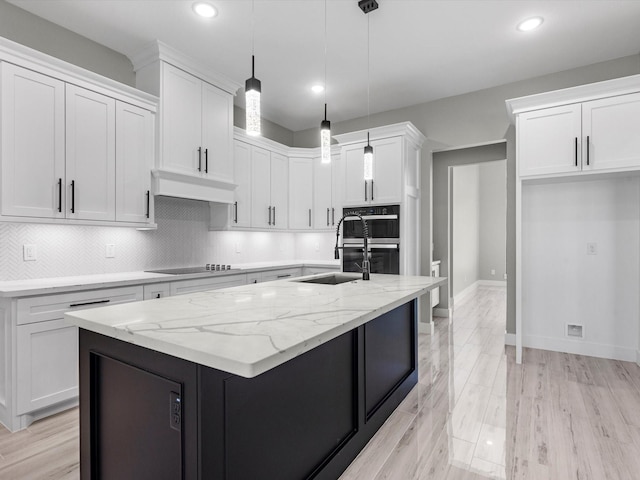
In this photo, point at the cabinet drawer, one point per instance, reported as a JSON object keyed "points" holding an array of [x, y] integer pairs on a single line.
{"points": [[281, 274], [157, 290], [53, 307], [201, 285]]}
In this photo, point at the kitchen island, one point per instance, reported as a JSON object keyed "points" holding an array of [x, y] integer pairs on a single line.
{"points": [[285, 379]]}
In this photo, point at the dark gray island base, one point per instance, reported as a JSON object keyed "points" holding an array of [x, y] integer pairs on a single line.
{"points": [[149, 415]]}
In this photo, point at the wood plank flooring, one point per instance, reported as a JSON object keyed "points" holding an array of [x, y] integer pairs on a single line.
{"points": [[474, 414]]}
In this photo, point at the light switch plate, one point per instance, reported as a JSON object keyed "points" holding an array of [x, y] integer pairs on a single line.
{"points": [[29, 252], [110, 250]]}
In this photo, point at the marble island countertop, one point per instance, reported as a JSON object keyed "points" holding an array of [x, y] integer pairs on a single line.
{"points": [[250, 329]]}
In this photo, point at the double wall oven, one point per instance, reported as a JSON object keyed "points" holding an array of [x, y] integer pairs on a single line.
{"points": [[383, 223]]}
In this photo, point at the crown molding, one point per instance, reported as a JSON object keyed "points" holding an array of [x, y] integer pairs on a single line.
{"points": [[565, 96], [404, 129], [159, 51]]}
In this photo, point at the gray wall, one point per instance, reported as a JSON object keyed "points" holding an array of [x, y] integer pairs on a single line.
{"points": [[270, 130], [42, 35], [465, 218], [492, 181]]}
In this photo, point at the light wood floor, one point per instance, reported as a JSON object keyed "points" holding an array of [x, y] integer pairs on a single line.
{"points": [[475, 414]]}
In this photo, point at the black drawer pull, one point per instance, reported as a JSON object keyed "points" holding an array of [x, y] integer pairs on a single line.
{"points": [[89, 303], [284, 275]]}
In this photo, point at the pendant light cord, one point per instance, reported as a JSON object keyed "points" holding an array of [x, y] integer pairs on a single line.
{"points": [[253, 27], [368, 75], [325, 59]]}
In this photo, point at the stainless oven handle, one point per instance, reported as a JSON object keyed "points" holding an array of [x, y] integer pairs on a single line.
{"points": [[372, 217], [388, 246]]}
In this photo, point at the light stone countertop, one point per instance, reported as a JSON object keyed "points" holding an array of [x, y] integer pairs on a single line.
{"points": [[46, 286], [250, 329]]}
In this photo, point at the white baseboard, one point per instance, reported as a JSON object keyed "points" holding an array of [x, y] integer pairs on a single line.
{"points": [[510, 339], [492, 283], [578, 347], [441, 312], [459, 298]]}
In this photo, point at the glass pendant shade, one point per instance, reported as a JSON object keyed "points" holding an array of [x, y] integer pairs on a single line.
{"points": [[325, 138], [252, 98], [368, 162]]}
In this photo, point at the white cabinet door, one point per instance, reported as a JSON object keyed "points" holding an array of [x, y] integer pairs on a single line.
{"points": [[322, 193], [241, 209], [47, 364], [386, 186], [261, 216], [181, 132], [549, 141], [134, 159], [611, 132], [337, 190], [279, 187], [90, 144], [301, 193], [202, 285], [32, 143], [217, 132], [353, 168], [156, 290]]}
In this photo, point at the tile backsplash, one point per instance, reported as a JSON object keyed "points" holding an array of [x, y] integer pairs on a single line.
{"points": [[182, 239]]}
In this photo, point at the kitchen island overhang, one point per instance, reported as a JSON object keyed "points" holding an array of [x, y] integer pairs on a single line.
{"points": [[325, 365]]}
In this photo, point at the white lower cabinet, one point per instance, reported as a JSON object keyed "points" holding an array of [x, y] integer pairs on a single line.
{"points": [[47, 364], [203, 284], [157, 290], [281, 274]]}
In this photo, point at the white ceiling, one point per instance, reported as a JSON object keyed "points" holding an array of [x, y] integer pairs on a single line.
{"points": [[420, 50]]}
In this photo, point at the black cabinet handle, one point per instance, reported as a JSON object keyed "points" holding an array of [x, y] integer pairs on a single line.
{"points": [[148, 203], [284, 276], [327, 217], [274, 215], [587, 150], [269, 215], [365, 191], [157, 295], [73, 196], [333, 216], [60, 195], [575, 149], [88, 303], [309, 217], [235, 216], [199, 159], [372, 189], [206, 160]]}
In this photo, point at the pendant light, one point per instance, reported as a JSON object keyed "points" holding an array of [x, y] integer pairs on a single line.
{"points": [[252, 90], [325, 125], [368, 149]]}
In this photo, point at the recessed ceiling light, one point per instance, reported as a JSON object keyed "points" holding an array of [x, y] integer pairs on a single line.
{"points": [[205, 9], [530, 24], [317, 88]]}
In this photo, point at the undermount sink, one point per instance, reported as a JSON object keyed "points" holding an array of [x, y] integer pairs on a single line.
{"points": [[332, 279]]}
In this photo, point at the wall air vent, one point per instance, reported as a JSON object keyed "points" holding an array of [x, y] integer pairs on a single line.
{"points": [[367, 5], [574, 331]]}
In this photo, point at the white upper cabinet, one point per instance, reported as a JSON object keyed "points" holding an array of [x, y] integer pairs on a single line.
{"points": [[611, 127], [181, 132], [386, 186], [327, 193], [550, 140], [59, 150], [581, 130], [269, 187], [33, 144], [134, 160], [195, 125], [301, 193], [279, 181], [241, 212], [91, 156]]}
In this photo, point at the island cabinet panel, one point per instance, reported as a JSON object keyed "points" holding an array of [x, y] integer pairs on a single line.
{"points": [[307, 418]]}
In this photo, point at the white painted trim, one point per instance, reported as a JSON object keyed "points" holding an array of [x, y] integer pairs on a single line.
{"points": [[492, 283], [462, 296], [581, 93], [580, 347], [638, 357], [426, 328], [442, 312], [510, 339], [159, 51], [471, 145], [404, 129]]}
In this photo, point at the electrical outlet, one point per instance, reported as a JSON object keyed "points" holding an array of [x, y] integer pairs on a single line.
{"points": [[493, 271], [29, 252], [505, 276], [238, 249], [110, 250], [592, 248], [317, 247]]}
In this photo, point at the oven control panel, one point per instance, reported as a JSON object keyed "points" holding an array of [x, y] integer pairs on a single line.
{"points": [[378, 210]]}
